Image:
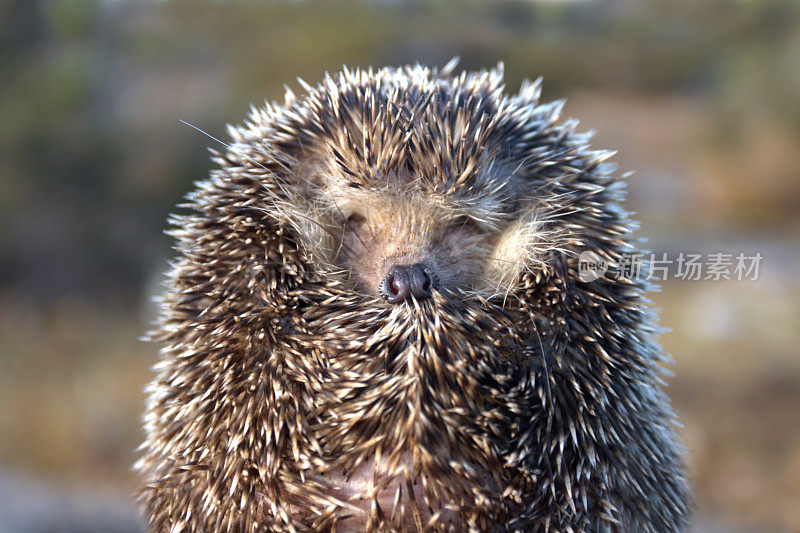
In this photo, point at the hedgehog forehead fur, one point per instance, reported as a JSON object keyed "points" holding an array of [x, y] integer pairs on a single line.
{"points": [[290, 397]]}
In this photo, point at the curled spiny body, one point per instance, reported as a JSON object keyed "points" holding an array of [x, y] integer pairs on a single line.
{"points": [[292, 395]]}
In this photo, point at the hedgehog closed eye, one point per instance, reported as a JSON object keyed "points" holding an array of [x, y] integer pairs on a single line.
{"points": [[356, 220]]}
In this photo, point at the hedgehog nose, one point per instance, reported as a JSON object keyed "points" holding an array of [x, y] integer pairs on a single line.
{"points": [[405, 281]]}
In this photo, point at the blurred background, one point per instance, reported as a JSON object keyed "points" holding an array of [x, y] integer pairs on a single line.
{"points": [[702, 100]]}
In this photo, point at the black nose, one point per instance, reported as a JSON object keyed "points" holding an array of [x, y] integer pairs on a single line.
{"points": [[404, 281]]}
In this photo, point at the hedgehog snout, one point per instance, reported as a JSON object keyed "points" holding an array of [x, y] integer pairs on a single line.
{"points": [[407, 281]]}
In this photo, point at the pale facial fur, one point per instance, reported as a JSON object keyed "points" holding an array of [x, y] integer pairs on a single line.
{"points": [[396, 233]]}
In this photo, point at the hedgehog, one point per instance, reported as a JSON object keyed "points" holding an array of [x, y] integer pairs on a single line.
{"points": [[375, 322]]}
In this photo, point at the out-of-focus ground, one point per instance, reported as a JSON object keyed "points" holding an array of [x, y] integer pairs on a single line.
{"points": [[701, 99]]}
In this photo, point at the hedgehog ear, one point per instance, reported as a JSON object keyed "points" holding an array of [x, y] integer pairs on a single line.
{"points": [[523, 245]]}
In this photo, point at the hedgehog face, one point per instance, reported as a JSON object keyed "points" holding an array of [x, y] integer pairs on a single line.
{"points": [[402, 245], [396, 238], [398, 249]]}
